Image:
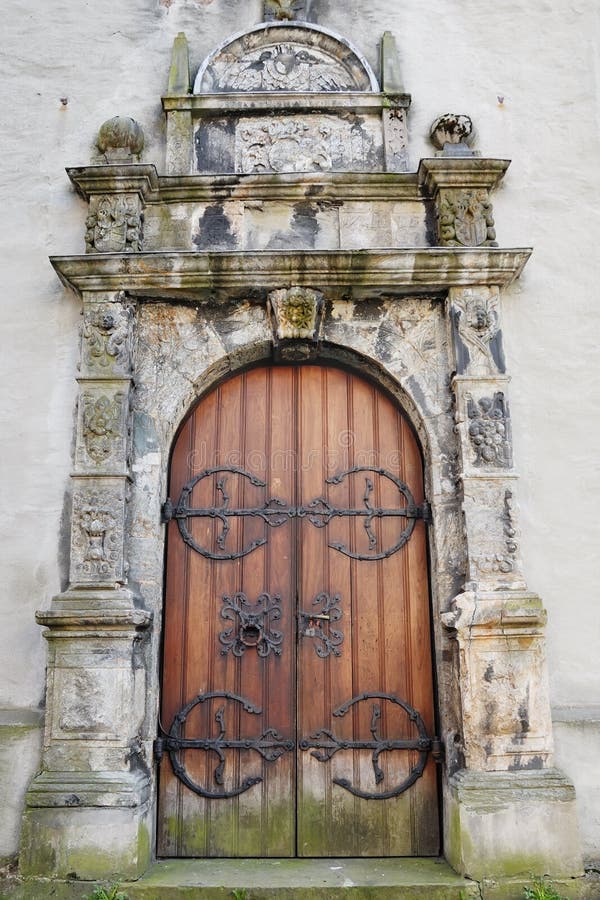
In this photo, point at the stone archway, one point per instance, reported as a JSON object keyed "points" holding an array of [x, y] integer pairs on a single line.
{"points": [[263, 269]]}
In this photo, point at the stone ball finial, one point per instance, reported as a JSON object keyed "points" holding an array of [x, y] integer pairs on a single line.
{"points": [[120, 139], [453, 133]]}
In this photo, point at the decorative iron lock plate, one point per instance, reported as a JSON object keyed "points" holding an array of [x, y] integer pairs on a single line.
{"points": [[324, 744], [252, 624], [270, 745], [312, 625], [276, 512]]}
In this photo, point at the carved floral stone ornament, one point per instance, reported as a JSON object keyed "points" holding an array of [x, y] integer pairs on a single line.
{"points": [[453, 134], [489, 431], [101, 424], [296, 312], [120, 140]]}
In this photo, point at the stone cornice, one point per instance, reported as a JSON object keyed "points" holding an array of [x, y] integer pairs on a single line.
{"points": [[90, 180], [247, 101], [456, 173], [222, 276]]}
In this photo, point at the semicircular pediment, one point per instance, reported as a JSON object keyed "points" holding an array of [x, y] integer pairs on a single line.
{"points": [[285, 57]]}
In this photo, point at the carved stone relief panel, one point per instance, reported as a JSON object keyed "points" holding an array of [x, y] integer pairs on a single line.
{"points": [[285, 57], [396, 139], [492, 532], [475, 320], [306, 143], [489, 431], [465, 219], [97, 531], [106, 339], [102, 427], [114, 224]]}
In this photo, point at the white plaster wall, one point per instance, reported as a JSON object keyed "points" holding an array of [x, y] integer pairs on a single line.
{"points": [[112, 58]]}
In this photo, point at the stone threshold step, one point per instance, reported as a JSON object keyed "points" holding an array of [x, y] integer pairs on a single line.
{"points": [[301, 879]]}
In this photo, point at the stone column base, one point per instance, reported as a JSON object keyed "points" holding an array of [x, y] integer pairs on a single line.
{"points": [[86, 825], [504, 824]]}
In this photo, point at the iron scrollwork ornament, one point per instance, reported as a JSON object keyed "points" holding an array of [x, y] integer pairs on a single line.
{"points": [[276, 512], [311, 625], [324, 744], [251, 628], [270, 745]]}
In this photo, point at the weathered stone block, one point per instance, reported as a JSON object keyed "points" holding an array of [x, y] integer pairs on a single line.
{"points": [[108, 843], [508, 824], [505, 707]]}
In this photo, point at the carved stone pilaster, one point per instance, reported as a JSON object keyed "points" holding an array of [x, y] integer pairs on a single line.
{"points": [[461, 189]]}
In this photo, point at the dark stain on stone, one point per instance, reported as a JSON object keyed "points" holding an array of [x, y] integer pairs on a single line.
{"points": [[418, 395], [490, 716], [497, 351], [489, 673], [214, 230], [461, 350], [303, 232], [430, 223], [536, 762], [487, 748], [214, 145], [386, 338], [524, 717]]}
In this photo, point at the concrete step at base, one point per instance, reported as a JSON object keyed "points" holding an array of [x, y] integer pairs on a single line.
{"points": [[301, 879]]}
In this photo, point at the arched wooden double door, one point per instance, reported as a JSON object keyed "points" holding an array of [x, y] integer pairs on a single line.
{"points": [[297, 701]]}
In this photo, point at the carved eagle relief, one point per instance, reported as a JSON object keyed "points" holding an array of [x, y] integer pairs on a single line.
{"points": [[282, 67]]}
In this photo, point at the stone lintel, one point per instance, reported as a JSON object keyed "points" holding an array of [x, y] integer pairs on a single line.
{"points": [[228, 104], [505, 824], [114, 179], [216, 276], [457, 173]]}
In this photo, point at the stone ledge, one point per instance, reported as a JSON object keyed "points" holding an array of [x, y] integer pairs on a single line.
{"points": [[229, 103], [88, 789], [221, 276]]}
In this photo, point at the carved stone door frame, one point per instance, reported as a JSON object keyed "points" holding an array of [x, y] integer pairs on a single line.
{"points": [[163, 325]]}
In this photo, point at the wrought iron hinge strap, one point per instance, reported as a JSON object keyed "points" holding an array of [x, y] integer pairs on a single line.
{"points": [[276, 512], [324, 744], [270, 745]]}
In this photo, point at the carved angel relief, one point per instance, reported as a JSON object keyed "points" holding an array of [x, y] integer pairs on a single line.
{"points": [[280, 67]]}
